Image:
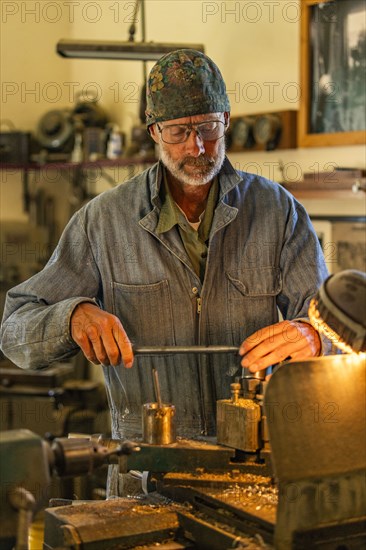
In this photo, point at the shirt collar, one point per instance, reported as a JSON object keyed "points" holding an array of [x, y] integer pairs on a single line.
{"points": [[171, 215]]}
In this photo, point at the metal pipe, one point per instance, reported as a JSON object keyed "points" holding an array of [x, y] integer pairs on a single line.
{"points": [[164, 350]]}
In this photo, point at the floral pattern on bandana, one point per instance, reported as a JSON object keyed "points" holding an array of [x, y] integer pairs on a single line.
{"points": [[156, 80]]}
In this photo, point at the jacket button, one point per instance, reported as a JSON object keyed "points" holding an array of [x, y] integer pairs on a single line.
{"points": [[194, 290]]}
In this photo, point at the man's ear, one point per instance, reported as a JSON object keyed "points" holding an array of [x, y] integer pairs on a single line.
{"points": [[153, 133], [227, 119]]}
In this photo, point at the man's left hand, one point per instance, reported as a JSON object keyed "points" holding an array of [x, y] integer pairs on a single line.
{"points": [[290, 340]]}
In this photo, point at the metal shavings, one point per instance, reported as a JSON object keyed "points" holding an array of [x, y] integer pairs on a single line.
{"points": [[228, 476], [247, 403], [255, 496], [258, 543], [242, 541]]}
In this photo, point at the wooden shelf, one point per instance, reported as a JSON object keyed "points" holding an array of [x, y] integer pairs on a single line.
{"points": [[101, 163], [76, 170], [322, 194], [328, 185]]}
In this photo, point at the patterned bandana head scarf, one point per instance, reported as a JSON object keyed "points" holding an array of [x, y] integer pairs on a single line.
{"points": [[184, 83]]}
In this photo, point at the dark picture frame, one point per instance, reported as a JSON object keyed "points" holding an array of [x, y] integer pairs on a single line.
{"points": [[333, 64]]}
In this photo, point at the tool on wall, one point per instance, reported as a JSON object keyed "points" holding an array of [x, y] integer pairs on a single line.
{"points": [[262, 132], [15, 145]]}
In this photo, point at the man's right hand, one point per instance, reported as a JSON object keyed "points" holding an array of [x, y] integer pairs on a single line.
{"points": [[100, 336]]}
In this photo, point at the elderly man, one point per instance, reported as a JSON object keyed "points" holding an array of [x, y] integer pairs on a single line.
{"points": [[189, 252]]}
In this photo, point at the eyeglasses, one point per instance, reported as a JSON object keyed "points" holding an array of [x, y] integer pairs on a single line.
{"points": [[209, 130]]}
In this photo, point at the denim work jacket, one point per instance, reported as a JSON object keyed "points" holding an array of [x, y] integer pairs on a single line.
{"points": [[263, 257]]}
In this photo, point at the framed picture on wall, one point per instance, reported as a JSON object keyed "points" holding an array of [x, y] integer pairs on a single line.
{"points": [[333, 65]]}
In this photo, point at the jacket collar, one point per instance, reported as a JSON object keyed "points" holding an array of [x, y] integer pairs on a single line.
{"points": [[228, 178]]}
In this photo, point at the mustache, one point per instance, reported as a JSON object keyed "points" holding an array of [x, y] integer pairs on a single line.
{"points": [[203, 160]]}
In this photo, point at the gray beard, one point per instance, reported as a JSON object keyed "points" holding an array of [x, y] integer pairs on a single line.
{"points": [[210, 167]]}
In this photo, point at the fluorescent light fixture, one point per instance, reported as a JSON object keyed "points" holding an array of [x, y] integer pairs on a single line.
{"points": [[139, 51]]}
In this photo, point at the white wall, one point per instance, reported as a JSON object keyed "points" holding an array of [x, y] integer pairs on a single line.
{"points": [[255, 43]]}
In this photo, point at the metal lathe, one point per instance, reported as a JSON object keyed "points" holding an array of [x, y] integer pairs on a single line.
{"points": [[286, 471]]}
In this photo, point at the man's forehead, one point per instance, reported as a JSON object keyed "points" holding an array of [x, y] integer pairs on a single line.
{"points": [[194, 119]]}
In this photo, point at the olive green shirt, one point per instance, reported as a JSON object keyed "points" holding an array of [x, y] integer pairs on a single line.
{"points": [[194, 241]]}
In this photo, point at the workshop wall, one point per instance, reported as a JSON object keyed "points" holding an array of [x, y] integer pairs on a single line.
{"points": [[33, 77], [256, 45]]}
